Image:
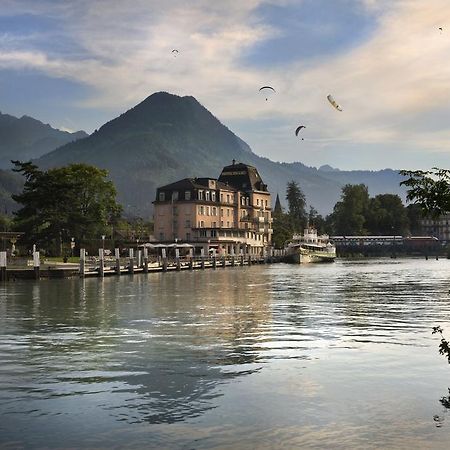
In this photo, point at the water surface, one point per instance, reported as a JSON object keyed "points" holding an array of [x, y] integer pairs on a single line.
{"points": [[281, 356]]}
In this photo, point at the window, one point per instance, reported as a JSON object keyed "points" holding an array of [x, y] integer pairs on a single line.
{"points": [[214, 211], [207, 210], [201, 210], [228, 213], [202, 233], [257, 202], [221, 223], [213, 196], [175, 195], [202, 224], [187, 195], [221, 198], [214, 225], [200, 195], [213, 233], [187, 224], [207, 196], [188, 236], [243, 201], [228, 198], [161, 236], [162, 196], [266, 203], [247, 201]]}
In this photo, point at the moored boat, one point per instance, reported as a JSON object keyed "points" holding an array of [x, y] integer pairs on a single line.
{"points": [[309, 247]]}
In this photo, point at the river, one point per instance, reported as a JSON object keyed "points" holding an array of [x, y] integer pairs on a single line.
{"points": [[271, 356]]}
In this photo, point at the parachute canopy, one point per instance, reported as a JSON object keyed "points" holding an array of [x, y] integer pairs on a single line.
{"points": [[267, 90], [333, 102], [298, 129], [267, 87]]}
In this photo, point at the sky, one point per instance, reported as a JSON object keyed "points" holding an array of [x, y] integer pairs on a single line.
{"points": [[78, 63]]}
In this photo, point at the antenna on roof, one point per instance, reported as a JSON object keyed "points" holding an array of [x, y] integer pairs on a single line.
{"points": [[234, 162]]}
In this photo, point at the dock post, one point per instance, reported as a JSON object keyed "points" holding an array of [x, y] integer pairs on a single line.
{"points": [[101, 262], [202, 256], [214, 260], [242, 260], [177, 258], [117, 256], [139, 259], [437, 257], [224, 261], [232, 261], [131, 262], [3, 266], [191, 257], [145, 260], [36, 265], [164, 259], [82, 261]]}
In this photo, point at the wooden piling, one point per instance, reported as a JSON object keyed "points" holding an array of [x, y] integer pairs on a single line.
{"points": [[117, 256], [82, 262], [3, 260], [101, 262], [36, 265], [131, 262], [145, 260]]}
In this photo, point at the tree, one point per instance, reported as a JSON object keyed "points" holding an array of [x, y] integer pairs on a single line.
{"points": [[73, 201], [386, 215], [316, 220], [349, 214], [429, 189], [297, 205], [415, 215]]}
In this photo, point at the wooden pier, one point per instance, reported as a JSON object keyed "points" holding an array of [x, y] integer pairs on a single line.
{"points": [[117, 265]]}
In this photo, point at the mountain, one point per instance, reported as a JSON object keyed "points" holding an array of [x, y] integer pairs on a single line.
{"points": [[167, 137], [27, 138]]}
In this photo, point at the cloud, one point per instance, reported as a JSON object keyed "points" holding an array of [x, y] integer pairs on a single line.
{"points": [[388, 83]]}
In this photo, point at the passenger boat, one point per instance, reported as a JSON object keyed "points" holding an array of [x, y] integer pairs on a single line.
{"points": [[309, 247]]}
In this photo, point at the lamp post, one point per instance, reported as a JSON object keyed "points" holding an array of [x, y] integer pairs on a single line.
{"points": [[72, 246], [103, 241]]}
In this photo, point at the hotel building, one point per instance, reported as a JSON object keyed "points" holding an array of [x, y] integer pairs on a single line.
{"points": [[231, 214]]}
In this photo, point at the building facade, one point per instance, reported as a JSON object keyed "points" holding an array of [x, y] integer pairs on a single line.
{"points": [[231, 214], [439, 227]]}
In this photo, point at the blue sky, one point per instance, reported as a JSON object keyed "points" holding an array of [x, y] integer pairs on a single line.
{"points": [[77, 63]]}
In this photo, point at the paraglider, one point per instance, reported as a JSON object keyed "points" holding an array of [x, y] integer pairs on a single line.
{"points": [[270, 88], [298, 130], [440, 28], [175, 52], [333, 102]]}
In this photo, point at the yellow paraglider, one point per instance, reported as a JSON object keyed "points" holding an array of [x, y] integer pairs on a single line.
{"points": [[333, 102]]}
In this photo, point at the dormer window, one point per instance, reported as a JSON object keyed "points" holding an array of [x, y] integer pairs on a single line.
{"points": [[213, 196], [162, 196], [207, 196], [200, 195], [187, 195], [175, 195]]}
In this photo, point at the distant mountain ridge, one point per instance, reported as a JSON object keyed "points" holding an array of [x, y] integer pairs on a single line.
{"points": [[26, 138], [166, 138]]}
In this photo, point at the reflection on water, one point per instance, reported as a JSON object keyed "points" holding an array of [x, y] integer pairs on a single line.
{"points": [[265, 356]]}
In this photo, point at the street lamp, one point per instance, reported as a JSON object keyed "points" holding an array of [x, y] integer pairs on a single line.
{"points": [[72, 246], [103, 241]]}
